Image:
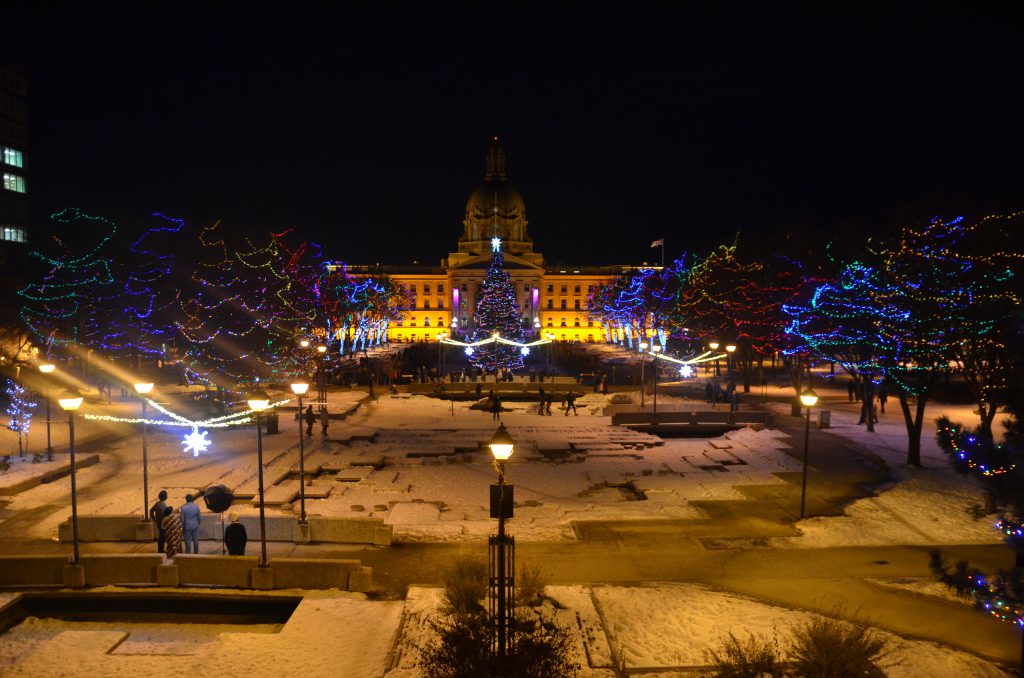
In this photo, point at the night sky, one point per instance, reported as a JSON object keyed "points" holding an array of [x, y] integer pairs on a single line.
{"points": [[368, 132]]}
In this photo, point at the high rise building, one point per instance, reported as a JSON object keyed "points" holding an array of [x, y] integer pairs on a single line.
{"points": [[14, 217]]}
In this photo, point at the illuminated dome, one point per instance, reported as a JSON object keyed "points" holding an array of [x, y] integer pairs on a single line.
{"points": [[495, 208]]}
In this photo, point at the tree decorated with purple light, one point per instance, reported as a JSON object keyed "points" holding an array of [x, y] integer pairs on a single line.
{"points": [[497, 313]]}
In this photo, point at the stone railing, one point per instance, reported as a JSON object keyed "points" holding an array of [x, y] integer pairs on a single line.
{"points": [[136, 569]]}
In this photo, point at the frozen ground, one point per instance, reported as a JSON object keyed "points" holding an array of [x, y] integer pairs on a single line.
{"points": [[421, 464], [656, 627]]}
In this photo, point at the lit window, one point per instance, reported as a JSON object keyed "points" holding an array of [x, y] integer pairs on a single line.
{"points": [[577, 323], [563, 322], [440, 322], [13, 157], [550, 322], [12, 182], [426, 321], [13, 234]]}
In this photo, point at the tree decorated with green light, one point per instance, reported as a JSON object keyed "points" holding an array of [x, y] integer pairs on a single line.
{"points": [[497, 312]]}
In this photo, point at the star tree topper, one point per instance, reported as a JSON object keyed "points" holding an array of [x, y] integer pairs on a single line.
{"points": [[495, 244]]}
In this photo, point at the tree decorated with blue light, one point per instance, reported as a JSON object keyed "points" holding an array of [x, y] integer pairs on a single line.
{"points": [[497, 313], [19, 411]]}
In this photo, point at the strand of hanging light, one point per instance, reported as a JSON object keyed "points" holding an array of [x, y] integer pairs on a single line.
{"points": [[495, 339]]}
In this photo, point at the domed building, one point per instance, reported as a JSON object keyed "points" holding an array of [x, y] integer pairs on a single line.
{"points": [[551, 299]]}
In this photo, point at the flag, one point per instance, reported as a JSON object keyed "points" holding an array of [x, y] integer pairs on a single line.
{"points": [[660, 242]]}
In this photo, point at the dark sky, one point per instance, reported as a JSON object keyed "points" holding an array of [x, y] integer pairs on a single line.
{"points": [[368, 132]]}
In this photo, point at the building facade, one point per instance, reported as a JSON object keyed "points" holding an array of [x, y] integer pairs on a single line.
{"points": [[14, 214], [551, 299]]}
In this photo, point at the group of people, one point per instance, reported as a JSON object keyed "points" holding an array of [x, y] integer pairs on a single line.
{"points": [[325, 419], [713, 393], [173, 528]]}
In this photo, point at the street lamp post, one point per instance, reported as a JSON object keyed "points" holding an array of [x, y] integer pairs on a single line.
{"points": [[713, 345], [730, 349], [550, 336], [299, 388], [258, 402], [808, 398], [321, 382], [143, 389], [655, 349], [643, 378], [503, 560], [47, 368], [70, 401], [441, 336]]}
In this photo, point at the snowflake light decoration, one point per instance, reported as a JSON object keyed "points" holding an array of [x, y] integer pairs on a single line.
{"points": [[196, 441], [495, 244], [686, 371]]}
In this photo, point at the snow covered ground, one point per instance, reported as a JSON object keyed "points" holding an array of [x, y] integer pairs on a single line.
{"points": [[654, 627], [421, 464]]}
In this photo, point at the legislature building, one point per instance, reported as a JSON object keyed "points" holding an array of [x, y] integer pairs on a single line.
{"points": [[550, 298]]}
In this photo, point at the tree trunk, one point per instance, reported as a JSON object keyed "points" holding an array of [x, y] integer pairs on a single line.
{"points": [[914, 422], [867, 402]]}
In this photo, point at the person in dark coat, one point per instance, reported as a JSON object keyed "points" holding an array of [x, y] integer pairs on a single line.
{"points": [[172, 532], [310, 420], [570, 402], [850, 388], [325, 420], [883, 397], [709, 393], [235, 537], [156, 514], [495, 406], [547, 407], [541, 399]]}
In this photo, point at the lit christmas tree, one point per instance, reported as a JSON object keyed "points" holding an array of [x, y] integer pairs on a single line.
{"points": [[19, 410], [497, 311]]}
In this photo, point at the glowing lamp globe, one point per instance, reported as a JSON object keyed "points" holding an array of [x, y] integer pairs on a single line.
{"points": [[655, 348], [300, 388], [143, 388], [730, 347], [809, 398], [304, 343], [46, 368], [642, 345], [501, 444], [321, 349], [713, 345], [258, 401], [70, 400]]}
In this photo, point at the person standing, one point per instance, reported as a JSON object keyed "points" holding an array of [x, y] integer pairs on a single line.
{"points": [[190, 520], [547, 408], [156, 514], [310, 420], [883, 396], [604, 384], [709, 393], [541, 399], [325, 419], [570, 402], [495, 406], [172, 532], [235, 537], [850, 388]]}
